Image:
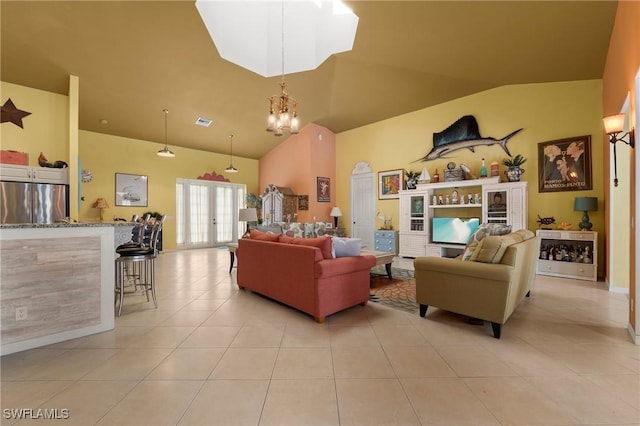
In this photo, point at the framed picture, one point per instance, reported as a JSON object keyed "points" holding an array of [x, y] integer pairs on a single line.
{"points": [[328, 225], [131, 190], [323, 189], [303, 202], [565, 164], [390, 183]]}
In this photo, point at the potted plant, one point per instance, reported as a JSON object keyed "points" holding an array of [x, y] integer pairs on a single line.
{"points": [[412, 178], [514, 171]]}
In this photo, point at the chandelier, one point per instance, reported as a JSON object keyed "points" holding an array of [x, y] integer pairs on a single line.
{"points": [[280, 118], [282, 113]]}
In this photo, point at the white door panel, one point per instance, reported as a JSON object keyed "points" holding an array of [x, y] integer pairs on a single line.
{"points": [[363, 206]]}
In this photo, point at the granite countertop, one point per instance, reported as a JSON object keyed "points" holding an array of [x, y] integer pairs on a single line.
{"points": [[63, 225]]}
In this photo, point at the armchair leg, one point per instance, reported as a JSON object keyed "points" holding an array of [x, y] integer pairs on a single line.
{"points": [[423, 310], [497, 328], [528, 293]]}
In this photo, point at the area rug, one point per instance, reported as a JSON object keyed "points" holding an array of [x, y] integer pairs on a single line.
{"points": [[398, 293]]}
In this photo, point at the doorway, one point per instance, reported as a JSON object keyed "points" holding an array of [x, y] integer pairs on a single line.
{"points": [[207, 212], [363, 204]]}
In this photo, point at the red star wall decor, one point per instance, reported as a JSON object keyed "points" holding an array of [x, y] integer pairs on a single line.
{"points": [[12, 114]]}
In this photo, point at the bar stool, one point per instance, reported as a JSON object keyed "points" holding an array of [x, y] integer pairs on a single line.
{"points": [[137, 263]]}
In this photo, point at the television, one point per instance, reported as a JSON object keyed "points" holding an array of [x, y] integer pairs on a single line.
{"points": [[453, 230]]}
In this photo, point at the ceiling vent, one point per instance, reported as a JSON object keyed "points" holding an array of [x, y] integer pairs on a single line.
{"points": [[204, 122]]}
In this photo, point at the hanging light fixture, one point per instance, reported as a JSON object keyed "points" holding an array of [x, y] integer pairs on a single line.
{"points": [[283, 115], [165, 152], [231, 169]]}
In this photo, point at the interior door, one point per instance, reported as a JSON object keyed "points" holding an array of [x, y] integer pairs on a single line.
{"points": [[363, 208]]}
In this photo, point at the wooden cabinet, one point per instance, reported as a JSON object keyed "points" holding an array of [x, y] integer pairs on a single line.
{"points": [[486, 199], [386, 241], [568, 254], [16, 173]]}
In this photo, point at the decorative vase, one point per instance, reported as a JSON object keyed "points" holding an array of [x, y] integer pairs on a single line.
{"points": [[411, 183], [513, 173]]}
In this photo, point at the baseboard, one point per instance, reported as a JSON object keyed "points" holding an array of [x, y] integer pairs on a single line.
{"points": [[619, 290], [634, 337]]}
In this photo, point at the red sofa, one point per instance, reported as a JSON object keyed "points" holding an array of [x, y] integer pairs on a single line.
{"points": [[301, 277]]}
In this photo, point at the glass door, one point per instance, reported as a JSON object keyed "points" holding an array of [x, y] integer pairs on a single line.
{"points": [[417, 212], [497, 206], [207, 212]]}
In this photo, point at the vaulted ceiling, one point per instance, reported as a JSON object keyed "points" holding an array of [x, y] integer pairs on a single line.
{"points": [[136, 58]]}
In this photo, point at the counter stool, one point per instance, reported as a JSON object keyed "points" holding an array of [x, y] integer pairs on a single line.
{"points": [[136, 263]]}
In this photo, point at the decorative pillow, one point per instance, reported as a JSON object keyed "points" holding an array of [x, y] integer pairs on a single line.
{"points": [[308, 230], [293, 229], [319, 229], [254, 234], [490, 249], [323, 243], [344, 247], [271, 229], [483, 230]]}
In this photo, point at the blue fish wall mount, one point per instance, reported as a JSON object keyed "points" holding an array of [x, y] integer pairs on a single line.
{"points": [[464, 133]]}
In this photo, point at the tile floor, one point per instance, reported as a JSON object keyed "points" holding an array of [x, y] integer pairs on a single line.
{"points": [[213, 355]]}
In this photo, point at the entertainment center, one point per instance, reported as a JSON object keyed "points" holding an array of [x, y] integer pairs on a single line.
{"points": [[458, 207]]}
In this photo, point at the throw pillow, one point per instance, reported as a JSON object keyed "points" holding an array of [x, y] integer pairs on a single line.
{"points": [[254, 234], [483, 230], [344, 247], [293, 229], [490, 249], [323, 243]]}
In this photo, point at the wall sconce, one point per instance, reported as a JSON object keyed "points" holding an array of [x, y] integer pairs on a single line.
{"points": [[613, 125]]}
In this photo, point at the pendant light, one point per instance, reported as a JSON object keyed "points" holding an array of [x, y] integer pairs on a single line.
{"points": [[165, 152], [231, 169]]}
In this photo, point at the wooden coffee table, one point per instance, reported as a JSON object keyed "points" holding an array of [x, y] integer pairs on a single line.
{"points": [[382, 258]]}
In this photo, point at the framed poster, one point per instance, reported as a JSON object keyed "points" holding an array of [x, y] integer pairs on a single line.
{"points": [[390, 183], [323, 189], [565, 164], [131, 190]]}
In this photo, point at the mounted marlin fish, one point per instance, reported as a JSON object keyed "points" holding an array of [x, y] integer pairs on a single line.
{"points": [[464, 133]]}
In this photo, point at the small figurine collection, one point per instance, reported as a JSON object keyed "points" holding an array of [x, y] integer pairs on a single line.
{"points": [[566, 252]]}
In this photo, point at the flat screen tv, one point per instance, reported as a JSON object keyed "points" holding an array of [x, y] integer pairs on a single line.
{"points": [[453, 230]]}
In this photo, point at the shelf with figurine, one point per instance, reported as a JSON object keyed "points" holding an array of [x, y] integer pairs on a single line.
{"points": [[568, 254]]}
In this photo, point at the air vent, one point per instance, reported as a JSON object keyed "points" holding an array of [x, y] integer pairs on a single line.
{"points": [[204, 122]]}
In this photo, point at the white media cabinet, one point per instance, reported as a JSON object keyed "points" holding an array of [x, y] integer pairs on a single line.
{"points": [[568, 254], [418, 206]]}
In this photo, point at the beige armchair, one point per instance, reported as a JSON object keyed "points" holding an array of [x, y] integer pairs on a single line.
{"points": [[499, 275]]}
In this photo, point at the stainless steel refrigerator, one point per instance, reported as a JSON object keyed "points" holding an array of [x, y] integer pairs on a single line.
{"points": [[23, 202]]}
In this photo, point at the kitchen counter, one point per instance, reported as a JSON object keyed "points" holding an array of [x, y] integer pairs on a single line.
{"points": [[56, 281]]}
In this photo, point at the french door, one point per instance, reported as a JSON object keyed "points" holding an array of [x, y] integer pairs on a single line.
{"points": [[207, 212]]}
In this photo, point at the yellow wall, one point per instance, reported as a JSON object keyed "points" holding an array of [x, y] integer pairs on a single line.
{"points": [[546, 112], [105, 155], [46, 130]]}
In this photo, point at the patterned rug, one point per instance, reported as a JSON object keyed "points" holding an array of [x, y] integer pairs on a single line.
{"points": [[399, 293]]}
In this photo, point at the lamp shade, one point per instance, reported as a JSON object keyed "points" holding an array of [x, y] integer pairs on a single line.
{"points": [[335, 212], [248, 215], [613, 123], [585, 204], [101, 203]]}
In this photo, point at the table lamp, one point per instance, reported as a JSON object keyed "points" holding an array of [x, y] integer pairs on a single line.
{"points": [[247, 215], [585, 205], [335, 213], [101, 204]]}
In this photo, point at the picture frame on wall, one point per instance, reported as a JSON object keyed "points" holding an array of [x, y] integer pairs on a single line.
{"points": [[323, 189], [131, 190], [390, 182], [565, 165], [303, 202]]}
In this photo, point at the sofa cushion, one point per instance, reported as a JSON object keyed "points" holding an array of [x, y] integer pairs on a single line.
{"points": [[293, 229], [323, 243], [344, 247], [254, 234], [483, 230], [492, 247]]}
